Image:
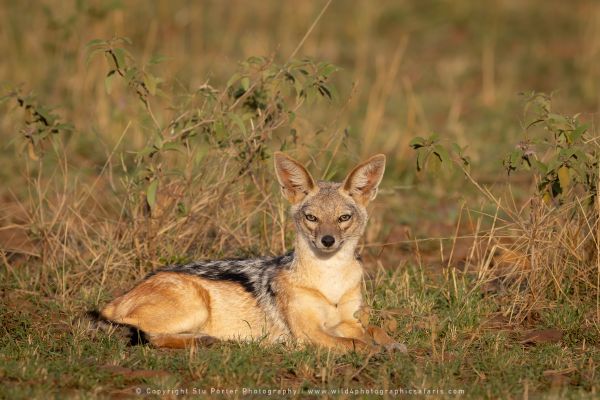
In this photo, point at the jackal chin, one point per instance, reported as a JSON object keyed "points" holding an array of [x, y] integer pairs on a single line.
{"points": [[327, 250]]}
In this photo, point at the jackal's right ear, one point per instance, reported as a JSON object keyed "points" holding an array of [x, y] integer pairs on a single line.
{"points": [[294, 179], [362, 182]]}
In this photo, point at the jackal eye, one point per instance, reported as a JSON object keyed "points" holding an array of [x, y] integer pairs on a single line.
{"points": [[344, 217], [311, 217]]}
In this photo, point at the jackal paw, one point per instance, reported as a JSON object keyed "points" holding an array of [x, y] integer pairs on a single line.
{"points": [[395, 346], [206, 341], [381, 338]]}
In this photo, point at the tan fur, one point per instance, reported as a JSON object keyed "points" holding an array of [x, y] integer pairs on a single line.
{"points": [[321, 312], [171, 303], [150, 305], [318, 296], [181, 340]]}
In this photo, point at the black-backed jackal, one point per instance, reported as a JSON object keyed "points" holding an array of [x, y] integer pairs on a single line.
{"points": [[310, 295]]}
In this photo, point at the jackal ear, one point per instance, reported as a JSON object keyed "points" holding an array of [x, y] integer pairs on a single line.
{"points": [[294, 179], [362, 182]]}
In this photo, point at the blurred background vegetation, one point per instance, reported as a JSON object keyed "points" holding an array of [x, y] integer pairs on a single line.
{"points": [[99, 188], [406, 69], [416, 67]]}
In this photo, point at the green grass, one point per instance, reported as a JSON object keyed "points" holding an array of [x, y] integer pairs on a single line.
{"points": [[48, 348]]}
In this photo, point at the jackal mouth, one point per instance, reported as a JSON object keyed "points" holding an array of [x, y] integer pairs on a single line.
{"points": [[327, 250]]}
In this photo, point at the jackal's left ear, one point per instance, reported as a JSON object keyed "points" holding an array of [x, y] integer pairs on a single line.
{"points": [[294, 179], [362, 182]]}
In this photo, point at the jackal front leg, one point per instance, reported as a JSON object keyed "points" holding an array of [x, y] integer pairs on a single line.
{"points": [[311, 327]]}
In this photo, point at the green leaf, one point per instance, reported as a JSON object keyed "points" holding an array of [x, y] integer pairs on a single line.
{"points": [[255, 60], [579, 155], [324, 91], [238, 121], [4, 99], [175, 172], [65, 127], [130, 74], [567, 153], [181, 209], [579, 172], [234, 78], [515, 158], [219, 129], [200, 153], [456, 149], [442, 153], [92, 53], [289, 77], [422, 155], [151, 193], [578, 132], [564, 177], [434, 165], [298, 87], [146, 151], [553, 165], [328, 69], [558, 122], [123, 39], [157, 59], [539, 166], [43, 134], [96, 42], [143, 173], [120, 57], [298, 63], [310, 94], [108, 81], [151, 82], [417, 142], [174, 147], [159, 137], [245, 83], [46, 114]]}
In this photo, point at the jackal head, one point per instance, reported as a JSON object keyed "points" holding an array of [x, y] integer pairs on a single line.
{"points": [[329, 214]]}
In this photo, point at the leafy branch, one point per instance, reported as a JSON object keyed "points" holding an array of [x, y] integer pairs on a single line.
{"points": [[41, 122], [122, 64]]}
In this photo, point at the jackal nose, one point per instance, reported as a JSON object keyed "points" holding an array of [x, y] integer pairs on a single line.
{"points": [[327, 240]]}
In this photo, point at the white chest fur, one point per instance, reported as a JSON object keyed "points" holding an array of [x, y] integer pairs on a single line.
{"points": [[333, 277], [335, 282]]}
